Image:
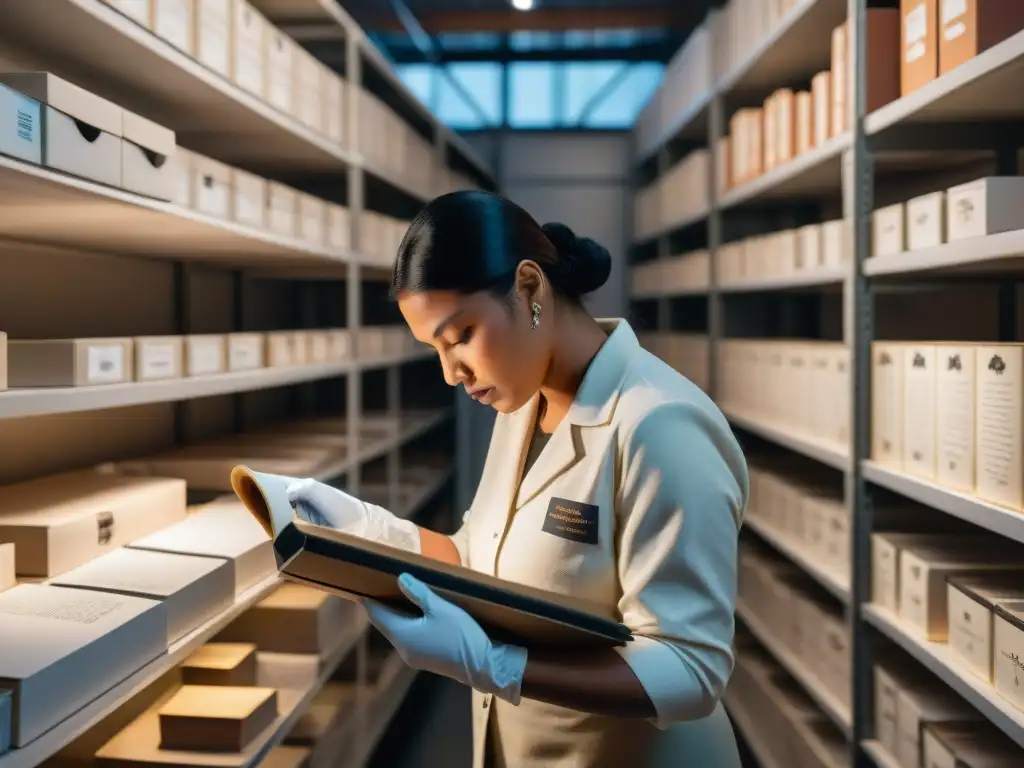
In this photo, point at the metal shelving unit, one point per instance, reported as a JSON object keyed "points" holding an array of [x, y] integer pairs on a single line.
{"points": [[976, 107]]}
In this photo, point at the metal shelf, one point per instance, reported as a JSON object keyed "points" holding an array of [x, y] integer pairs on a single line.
{"points": [[991, 254], [836, 583], [821, 452], [820, 277], [674, 226]]}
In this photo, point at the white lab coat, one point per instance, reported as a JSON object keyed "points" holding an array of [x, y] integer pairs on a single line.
{"points": [[657, 485]]}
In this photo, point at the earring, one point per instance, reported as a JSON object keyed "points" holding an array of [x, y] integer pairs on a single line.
{"points": [[535, 321]]}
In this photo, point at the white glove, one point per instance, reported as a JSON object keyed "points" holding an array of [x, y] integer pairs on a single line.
{"points": [[321, 504], [448, 641]]}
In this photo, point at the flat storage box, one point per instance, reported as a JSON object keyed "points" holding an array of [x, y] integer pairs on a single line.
{"points": [[248, 199], [69, 362], [972, 603], [919, 395], [294, 619], [926, 221], [312, 219], [214, 718], [21, 120], [887, 231], [248, 54], [205, 354], [967, 745], [221, 530], [245, 351], [214, 36], [146, 152], [211, 192], [193, 589], [970, 27], [282, 209], [159, 357], [61, 648], [821, 97], [308, 90], [954, 417], [920, 52], [886, 551], [173, 21], [985, 207], [999, 424], [887, 386], [81, 131], [281, 54], [62, 521], [7, 572], [221, 664], [919, 705], [339, 227]]}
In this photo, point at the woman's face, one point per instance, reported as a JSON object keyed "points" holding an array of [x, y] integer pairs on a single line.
{"points": [[484, 344]]}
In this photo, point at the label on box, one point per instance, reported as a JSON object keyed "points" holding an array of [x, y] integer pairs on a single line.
{"points": [[105, 364], [915, 31], [204, 358], [173, 22], [158, 360]]}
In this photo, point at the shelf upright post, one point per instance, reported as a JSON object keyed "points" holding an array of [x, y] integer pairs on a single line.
{"points": [[716, 129], [663, 166], [239, 283], [182, 327], [858, 332], [353, 283]]}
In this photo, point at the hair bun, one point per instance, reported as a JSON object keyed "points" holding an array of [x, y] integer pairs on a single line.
{"points": [[588, 264]]}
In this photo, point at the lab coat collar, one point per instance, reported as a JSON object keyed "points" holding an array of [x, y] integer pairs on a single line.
{"points": [[599, 391]]}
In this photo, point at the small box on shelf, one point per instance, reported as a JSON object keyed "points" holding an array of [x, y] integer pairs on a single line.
{"points": [[158, 358], [281, 56], [69, 362], [248, 199], [215, 718], [245, 352], [211, 187], [248, 54], [926, 221], [985, 207], [920, 50], [173, 21], [954, 417], [972, 602], [919, 397], [205, 354], [214, 34], [221, 664], [970, 27], [146, 149]]}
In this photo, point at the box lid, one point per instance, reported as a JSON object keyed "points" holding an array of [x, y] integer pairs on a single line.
{"points": [[220, 702], [147, 134], [68, 98], [157, 575]]}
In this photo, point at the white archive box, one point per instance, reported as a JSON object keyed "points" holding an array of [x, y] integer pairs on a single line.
{"points": [[887, 403], [972, 603], [954, 416], [887, 231], [308, 93], [919, 704], [248, 198], [146, 150], [300, 347], [339, 345], [61, 648], [223, 530], [1008, 651], [281, 351], [248, 54], [81, 131], [205, 354], [214, 22], [985, 207], [183, 169], [926, 221], [69, 362], [172, 20], [312, 219], [192, 589], [20, 126], [339, 226], [919, 395], [886, 551], [158, 358], [280, 80], [810, 246], [999, 424], [833, 242], [282, 209], [139, 11], [211, 187], [334, 106], [245, 351], [318, 345]]}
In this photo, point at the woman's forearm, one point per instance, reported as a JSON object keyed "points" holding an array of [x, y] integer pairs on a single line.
{"points": [[437, 546], [599, 682]]}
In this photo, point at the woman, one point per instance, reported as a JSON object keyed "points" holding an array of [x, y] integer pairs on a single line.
{"points": [[588, 419]]}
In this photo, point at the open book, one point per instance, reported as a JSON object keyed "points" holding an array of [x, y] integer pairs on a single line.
{"points": [[351, 566]]}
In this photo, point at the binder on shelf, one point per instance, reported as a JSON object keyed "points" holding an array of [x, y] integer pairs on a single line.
{"points": [[354, 567]]}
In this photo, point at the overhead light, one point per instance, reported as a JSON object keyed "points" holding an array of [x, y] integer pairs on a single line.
{"points": [[522, 5]]}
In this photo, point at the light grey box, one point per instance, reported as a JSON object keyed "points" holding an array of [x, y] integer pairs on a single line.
{"points": [[21, 134]]}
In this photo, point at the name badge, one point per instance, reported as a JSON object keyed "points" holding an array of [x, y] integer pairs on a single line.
{"points": [[572, 520]]}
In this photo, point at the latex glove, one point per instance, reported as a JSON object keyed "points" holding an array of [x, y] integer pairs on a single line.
{"points": [[322, 504], [448, 641]]}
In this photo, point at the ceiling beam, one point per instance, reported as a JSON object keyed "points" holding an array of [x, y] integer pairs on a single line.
{"points": [[541, 19]]}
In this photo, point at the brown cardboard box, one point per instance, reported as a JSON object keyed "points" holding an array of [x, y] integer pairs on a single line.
{"points": [[785, 125], [770, 136], [840, 80], [977, 26], [214, 718], [821, 98], [221, 664], [919, 58], [883, 66]]}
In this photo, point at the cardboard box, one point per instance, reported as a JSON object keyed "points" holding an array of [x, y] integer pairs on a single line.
{"points": [[61, 648], [883, 67], [921, 704], [282, 209], [173, 21], [245, 351], [81, 132], [312, 219], [1008, 650], [985, 207], [999, 424], [294, 619], [954, 420], [183, 169], [158, 358], [970, 27], [919, 396], [69, 362], [833, 243], [248, 54], [20, 126], [212, 187], [193, 590], [221, 664], [770, 136], [926, 221], [785, 102], [804, 122], [886, 549], [887, 387], [972, 601], [205, 354], [887, 231], [214, 34], [840, 66], [821, 97], [920, 53], [280, 79], [146, 148], [213, 718], [248, 199], [281, 351]]}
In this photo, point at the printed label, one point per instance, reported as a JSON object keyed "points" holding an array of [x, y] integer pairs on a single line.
{"points": [[572, 520], [157, 360], [105, 365]]}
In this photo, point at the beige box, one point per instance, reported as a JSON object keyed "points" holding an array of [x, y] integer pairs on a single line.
{"points": [[139, 11], [214, 34], [282, 209], [312, 219], [833, 243], [215, 718], [193, 590], [221, 530], [146, 148], [972, 601], [20, 126], [970, 27], [985, 207], [919, 705], [887, 231], [221, 664], [887, 688], [288, 757], [159, 357], [7, 572], [280, 79], [245, 351], [954, 419], [785, 102], [840, 79], [212, 187], [308, 89], [281, 349], [318, 343], [205, 354], [956, 745], [61, 648], [81, 131], [339, 346], [69, 362], [809, 248], [999, 424], [248, 199], [804, 122], [183, 169], [887, 386], [821, 98], [926, 221], [339, 228], [173, 22], [334, 106], [300, 347], [919, 398], [248, 55], [771, 135], [886, 549], [1008, 650], [294, 619]]}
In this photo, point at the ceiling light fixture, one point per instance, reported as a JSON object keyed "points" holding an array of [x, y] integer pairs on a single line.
{"points": [[522, 5]]}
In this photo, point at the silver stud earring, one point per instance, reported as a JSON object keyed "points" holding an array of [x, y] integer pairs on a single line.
{"points": [[535, 321]]}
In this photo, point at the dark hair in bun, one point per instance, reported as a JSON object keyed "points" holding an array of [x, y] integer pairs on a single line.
{"points": [[473, 241]]}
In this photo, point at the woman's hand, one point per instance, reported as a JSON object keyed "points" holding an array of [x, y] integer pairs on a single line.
{"points": [[322, 504], [447, 641]]}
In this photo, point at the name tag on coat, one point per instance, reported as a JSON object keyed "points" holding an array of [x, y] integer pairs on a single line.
{"points": [[572, 520]]}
